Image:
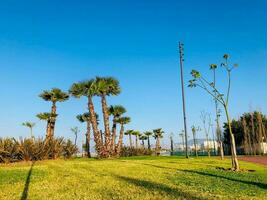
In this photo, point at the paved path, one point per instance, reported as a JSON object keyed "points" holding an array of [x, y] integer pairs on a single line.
{"points": [[256, 159]]}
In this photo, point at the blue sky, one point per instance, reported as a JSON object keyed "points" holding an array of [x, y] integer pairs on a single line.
{"points": [[45, 44]]}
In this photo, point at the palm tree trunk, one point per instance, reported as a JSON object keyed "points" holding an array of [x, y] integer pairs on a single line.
{"points": [[88, 133], [136, 141], [148, 142], [119, 145], [53, 120], [130, 139], [235, 164], [195, 144], [157, 147], [98, 145], [106, 123], [113, 141]]}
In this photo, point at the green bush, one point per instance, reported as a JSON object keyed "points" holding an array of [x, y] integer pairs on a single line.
{"points": [[31, 149], [131, 151]]}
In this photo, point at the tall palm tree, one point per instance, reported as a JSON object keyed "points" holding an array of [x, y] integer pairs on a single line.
{"points": [[106, 86], [46, 116], [55, 95], [75, 130], [143, 137], [158, 133], [88, 89], [148, 134], [30, 125], [129, 133], [116, 111], [136, 134], [122, 121]]}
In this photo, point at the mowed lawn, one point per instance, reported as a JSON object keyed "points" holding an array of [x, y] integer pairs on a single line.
{"points": [[132, 178]]}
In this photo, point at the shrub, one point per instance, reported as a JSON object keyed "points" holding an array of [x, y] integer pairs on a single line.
{"points": [[130, 151], [30, 149]]}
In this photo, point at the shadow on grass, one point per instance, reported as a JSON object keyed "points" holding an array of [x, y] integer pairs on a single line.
{"points": [[149, 185], [24, 195], [261, 185]]}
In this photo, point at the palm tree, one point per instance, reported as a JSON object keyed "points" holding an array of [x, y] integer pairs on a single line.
{"points": [[46, 116], [88, 89], [75, 130], [116, 111], [143, 138], [158, 133], [106, 86], [122, 121], [129, 132], [86, 118], [136, 134], [148, 134], [30, 125], [55, 95]]}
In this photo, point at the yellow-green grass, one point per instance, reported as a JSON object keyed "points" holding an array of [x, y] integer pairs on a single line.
{"points": [[132, 178]]}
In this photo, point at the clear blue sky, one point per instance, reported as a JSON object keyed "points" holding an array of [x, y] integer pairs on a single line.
{"points": [[45, 44]]}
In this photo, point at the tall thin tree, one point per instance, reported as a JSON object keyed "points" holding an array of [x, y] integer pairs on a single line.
{"points": [[181, 53]]}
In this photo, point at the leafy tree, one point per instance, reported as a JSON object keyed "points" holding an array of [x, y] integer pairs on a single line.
{"points": [[122, 121], [88, 89], [106, 86], [54, 95], [148, 134], [129, 133], [30, 125], [213, 67], [158, 133], [116, 111], [201, 82]]}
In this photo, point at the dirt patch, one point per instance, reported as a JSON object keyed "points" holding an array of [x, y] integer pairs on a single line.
{"points": [[255, 159]]}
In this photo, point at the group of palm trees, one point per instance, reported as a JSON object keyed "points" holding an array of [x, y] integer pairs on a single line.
{"points": [[107, 143], [101, 87], [156, 133]]}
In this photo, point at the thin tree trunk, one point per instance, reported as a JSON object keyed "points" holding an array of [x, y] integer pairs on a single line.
{"points": [[194, 138], [114, 130], [235, 164], [136, 141], [253, 134], [106, 123], [98, 145], [119, 145], [208, 145], [148, 142], [157, 147], [88, 135], [130, 140]]}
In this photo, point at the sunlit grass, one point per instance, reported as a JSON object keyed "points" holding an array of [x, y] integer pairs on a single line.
{"points": [[133, 178]]}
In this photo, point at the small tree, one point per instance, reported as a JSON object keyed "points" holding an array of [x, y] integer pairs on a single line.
{"points": [[182, 137], [194, 131], [205, 117], [158, 134], [148, 134], [30, 125], [75, 130], [130, 133], [201, 82]]}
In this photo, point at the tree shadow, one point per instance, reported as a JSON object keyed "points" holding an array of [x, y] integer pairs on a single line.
{"points": [[24, 195], [149, 185], [258, 184]]}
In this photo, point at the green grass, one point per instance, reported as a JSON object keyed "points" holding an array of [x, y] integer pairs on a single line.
{"points": [[132, 178]]}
